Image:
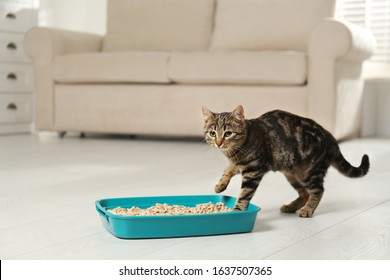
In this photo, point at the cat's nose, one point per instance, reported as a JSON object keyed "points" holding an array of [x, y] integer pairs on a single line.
{"points": [[219, 142]]}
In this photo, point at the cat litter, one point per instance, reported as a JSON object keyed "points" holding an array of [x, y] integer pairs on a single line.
{"points": [[165, 209], [174, 216]]}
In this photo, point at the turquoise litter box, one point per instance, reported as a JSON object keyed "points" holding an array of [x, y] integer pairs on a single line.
{"points": [[175, 226]]}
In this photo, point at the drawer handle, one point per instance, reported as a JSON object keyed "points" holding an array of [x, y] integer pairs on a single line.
{"points": [[12, 76], [11, 16], [12, 106], [12, 46]]}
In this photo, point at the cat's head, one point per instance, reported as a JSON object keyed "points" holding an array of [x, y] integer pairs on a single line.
{"points": [[224, 130]]}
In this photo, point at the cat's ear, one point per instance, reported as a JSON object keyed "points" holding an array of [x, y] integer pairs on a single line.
{"points": [[238, 113], [207, 114]]}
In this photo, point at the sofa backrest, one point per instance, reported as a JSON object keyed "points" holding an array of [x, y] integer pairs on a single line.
{"points": [[267, 24], [160, 25], [165, 25]]}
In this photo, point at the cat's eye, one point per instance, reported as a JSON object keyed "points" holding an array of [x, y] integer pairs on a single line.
{"points": [[212, 133], [228, 133]]}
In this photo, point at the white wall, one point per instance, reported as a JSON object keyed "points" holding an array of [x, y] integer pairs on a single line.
{"points": [[383, 107], [376, 108], [77, 15]]}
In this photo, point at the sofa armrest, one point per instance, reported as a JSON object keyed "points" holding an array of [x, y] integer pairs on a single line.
{"points": [[336, 52], [42, 45], [337, 39], [45, 43]]}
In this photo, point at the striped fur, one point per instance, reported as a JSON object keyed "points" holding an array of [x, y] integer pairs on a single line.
{"points": [[277, 141]]}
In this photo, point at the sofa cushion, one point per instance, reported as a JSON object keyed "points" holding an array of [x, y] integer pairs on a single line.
{"points": [[136, 67], [267, 24], [158, 25], [239, 67]]}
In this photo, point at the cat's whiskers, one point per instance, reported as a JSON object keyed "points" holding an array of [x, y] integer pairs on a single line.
{"points": [[211, 149], [230, 152]]}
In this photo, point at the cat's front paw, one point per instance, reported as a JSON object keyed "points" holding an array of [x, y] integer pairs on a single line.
{"points": [[240, 207], [220, 188], [305, 212]]}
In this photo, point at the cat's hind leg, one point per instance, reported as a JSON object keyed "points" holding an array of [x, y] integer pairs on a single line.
{"points": [[302, 199], [227, 175]]}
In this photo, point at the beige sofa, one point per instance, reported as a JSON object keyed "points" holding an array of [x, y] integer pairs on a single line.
{"points": [[161, 60]]}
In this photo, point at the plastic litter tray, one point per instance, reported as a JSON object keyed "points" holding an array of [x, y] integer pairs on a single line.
{"points": [[175, 226]]}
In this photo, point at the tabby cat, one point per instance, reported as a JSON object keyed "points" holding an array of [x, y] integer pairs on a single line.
{"points": [[277, 141]]}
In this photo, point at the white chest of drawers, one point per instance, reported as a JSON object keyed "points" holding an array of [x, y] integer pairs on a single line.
{"points": [[16, 75]]}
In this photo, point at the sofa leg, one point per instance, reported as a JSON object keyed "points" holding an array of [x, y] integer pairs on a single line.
{"points": [[82, 135], [61, 134]]}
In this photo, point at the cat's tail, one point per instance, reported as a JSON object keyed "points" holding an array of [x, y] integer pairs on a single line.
{"points": [[342, 165]]}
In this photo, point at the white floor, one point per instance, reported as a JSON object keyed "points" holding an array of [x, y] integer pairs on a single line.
{"points": [[48, 187]]}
